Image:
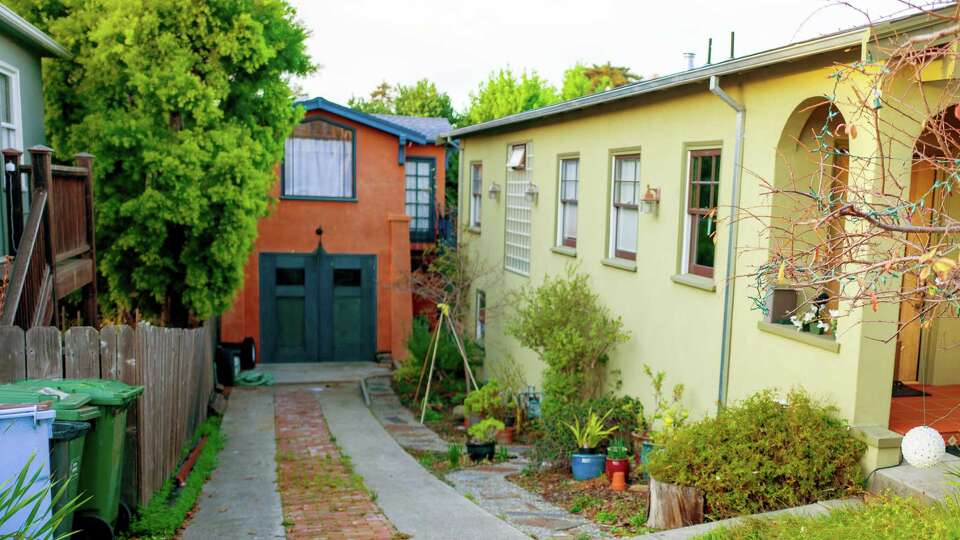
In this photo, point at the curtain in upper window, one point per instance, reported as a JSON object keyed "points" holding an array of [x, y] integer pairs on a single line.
{"points": [[319, 161]]}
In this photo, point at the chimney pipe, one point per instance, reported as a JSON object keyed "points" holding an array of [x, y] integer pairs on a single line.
{"points": [[732, 34], [688, 58], [709, 51]]}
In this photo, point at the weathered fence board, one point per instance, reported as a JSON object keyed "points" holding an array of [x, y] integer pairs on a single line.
{"points": [[81, 353], [13, 351], [44, 353], [174, 365]]}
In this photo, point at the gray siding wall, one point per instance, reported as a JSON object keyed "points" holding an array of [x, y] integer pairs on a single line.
{"points": [[13, 52]]}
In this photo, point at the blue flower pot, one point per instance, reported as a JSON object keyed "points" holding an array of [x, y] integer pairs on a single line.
{"points": [[645, 457], [587, 466]]}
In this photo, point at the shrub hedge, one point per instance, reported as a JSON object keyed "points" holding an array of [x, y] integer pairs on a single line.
{"points": [[761, 455]]}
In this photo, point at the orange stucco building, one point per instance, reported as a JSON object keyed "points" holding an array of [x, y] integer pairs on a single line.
{"points": [[358, 196]]}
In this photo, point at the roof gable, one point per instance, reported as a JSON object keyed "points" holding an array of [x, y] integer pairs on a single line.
{"points": [[15, 25], [405, 133]]}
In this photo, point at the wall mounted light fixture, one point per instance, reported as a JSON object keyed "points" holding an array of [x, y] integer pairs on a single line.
{"points": [[494, 192], [650, 200], [532, 193]]}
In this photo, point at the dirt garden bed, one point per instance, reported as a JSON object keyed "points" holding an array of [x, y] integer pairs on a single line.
{"points": [[621, 513]]}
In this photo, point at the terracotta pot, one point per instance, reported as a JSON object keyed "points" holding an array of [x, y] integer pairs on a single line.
{"points": [[614, 466], [505, 435], [619, 482]]}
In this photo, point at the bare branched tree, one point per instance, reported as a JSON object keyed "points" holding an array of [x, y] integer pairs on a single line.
{"points": [[860, 224]]}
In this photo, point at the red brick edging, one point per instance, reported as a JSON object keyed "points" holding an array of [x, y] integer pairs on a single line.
{"points": [[322, 497]]}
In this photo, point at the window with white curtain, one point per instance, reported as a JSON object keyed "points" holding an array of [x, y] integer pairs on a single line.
{"points": [[567, 202], [624, 211], [517, 229], [481, 315], [319, 161]]}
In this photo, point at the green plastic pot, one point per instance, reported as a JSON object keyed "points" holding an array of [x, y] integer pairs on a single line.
{"points": [[103, 450]]}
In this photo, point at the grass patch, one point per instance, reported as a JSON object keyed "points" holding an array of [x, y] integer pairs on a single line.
{"points": [[884, 518], [167, 509]]}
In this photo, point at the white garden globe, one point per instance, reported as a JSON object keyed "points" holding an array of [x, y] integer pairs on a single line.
{"points": [[923, 447]]}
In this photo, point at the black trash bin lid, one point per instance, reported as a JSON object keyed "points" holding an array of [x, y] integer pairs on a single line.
{"points": [[67, 431]]}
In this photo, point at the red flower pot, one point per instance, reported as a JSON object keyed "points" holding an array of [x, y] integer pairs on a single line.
{"points": [[617, 465], [505, 436]]}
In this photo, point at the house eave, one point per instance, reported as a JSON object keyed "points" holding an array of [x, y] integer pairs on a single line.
{"points": [[31, 34], [858, 37]]}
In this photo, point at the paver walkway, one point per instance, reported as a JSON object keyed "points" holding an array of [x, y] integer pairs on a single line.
{"points": [[240, 499], [487, 485], [415, 501], [322, 498]]}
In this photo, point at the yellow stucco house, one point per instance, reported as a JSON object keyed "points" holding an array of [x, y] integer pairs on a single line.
{"points": [[562, 184]]}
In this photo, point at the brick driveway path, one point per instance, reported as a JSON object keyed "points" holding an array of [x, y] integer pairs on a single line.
{"points": [[322, 497]]}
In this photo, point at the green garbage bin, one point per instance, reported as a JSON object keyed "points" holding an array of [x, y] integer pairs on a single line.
{"points": [[66, 458], [73, 414], [100, 474]]}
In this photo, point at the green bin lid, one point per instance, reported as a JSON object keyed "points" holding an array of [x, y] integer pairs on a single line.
{"points": [[101, 391], [75, 407]]}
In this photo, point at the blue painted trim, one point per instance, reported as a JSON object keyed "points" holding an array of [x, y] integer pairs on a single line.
{"points": [[318, 103], [402, 150], [283, 174]]}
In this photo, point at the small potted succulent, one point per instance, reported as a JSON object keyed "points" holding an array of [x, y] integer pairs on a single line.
{"points": [[482, 441], [618, 458], [586, 463]]}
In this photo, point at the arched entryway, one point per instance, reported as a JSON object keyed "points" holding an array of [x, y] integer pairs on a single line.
{"points": [[927, 362]]}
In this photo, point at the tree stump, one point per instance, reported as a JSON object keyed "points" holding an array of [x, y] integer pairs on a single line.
{"points": [[673, 506]]}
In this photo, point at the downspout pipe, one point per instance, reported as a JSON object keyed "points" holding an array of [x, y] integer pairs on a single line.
{"points": [[729, 286]]}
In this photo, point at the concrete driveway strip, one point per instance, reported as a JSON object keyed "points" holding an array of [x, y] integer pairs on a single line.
{"points": [[240, 500], [415, 501]]}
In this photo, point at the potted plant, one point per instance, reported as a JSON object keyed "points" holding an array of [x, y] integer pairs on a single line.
{"points": [[668, 414], [482, 441], [483, 403], [618, 459], [586, 463]]}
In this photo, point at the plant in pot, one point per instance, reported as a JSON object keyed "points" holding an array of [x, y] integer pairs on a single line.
{"points": [[618, 458], [482, 441], [489, 402], [586, 463], [509, 374], [669, 414]]}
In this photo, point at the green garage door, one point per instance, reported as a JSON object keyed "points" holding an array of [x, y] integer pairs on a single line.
{"points": [[317, 307]]}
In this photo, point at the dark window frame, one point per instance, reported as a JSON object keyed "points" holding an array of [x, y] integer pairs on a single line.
{"points": [[353, 166], [564, 201], [476, 193], [695, 211], [618, 205], [429, 235]]}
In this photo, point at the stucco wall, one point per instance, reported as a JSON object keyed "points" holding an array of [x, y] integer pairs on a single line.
{"points": [[362, 227], [676, 327]]}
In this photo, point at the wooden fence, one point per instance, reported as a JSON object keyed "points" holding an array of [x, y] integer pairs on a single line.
{"points": [[174, 365]]}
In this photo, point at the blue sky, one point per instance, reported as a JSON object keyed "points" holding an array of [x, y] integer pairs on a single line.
{"points": [[359, 43]]}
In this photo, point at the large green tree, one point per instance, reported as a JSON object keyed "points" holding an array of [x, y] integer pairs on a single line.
{"points": [[186, 105], [421, 98], [504, 93], [380, 101], [582, 80]]}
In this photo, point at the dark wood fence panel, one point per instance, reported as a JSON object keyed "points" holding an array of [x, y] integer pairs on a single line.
{"points": [[81, 353], [174, 365], [44, 353], [13, 354]]}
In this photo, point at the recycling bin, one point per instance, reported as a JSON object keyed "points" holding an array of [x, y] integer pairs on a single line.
{"points": [[103, 449], [25, 431], [73, 414]]}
